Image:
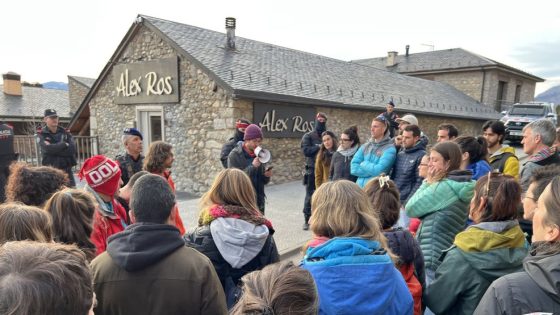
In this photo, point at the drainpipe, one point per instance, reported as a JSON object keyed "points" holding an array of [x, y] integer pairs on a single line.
{"points": [[483, 83]]}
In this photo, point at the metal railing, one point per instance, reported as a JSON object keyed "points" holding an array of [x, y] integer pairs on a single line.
{"points": [[30, 153]]}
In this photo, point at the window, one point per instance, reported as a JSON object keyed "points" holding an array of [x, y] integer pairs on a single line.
{"points": [[517, 93]]}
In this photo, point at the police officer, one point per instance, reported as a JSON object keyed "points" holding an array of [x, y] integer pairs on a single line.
{"points": [[7, 156], [132, 160], [57, 146], [310, 144]]}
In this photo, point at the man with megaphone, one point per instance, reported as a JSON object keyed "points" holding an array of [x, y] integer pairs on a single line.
{"points": [[251, 158]]}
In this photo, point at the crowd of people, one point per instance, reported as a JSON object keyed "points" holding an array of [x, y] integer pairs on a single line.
{"points": [[399, 226]]}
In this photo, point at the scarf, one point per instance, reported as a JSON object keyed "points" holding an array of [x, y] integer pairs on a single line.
{"points": [[542, 154], [230, 211], [348, 152]]}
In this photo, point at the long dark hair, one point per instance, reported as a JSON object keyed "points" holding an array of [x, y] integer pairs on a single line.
{"points": [[476, 147], [323, 152], [502, 194]]}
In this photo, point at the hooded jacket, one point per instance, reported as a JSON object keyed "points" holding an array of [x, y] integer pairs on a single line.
{"points": [[535, 289], [405, 171], [443, 208], [147, 269], [480, 255], [234, 246], [340, 164], [229, 145], [505, 161], [373, 159], [356, 276], [544, 157]]}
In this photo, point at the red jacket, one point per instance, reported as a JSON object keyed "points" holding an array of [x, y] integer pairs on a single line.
{"points": [[105, 226], [414, 286]]}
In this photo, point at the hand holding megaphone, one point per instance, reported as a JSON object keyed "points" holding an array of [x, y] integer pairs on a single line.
{"points": [[262, 154]]}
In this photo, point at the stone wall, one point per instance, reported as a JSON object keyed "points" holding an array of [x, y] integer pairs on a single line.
{"points": [[196, 126], [76, 94], [468, 82]]}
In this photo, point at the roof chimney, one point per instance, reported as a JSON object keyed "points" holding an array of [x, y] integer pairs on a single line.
{"points": [[230, 32], [391, 58], [12, 83], [407, 48]]}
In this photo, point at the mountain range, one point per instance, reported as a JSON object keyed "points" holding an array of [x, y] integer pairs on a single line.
{"points": [[551, 95], [55, 85]]}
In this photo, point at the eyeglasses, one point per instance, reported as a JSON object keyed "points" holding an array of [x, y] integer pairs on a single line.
{"points": [[496, 173], [423, 164], [344, 140], [530, 197], [381, 117]]}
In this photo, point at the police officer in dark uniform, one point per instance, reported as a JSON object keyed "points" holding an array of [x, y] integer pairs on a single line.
{"points": [[132, 160], [310, 144], [57, 146], [7, 156]]}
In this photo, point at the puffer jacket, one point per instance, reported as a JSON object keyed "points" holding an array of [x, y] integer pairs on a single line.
{"points": [[481, 254], [373, 159], [443, 209], [405, 171], [535, 289]]}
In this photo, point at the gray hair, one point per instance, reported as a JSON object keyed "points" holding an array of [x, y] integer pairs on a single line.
{"points": [[545, 128], [125, 138], [152, 199]]}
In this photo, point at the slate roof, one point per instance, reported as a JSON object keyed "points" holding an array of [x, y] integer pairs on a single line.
{"points": [[87, 82], [447, 59], [260, 70], [33, 103]]}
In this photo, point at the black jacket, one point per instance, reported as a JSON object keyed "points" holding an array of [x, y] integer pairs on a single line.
{"points": [[403, 244], [229, 145], [340, 167], [239, 158], [201, 239], [129, 166], [61, 150], [535, 289], [310, 145]]}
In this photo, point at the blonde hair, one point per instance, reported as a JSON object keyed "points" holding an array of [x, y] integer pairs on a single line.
{"points": [[72, 213], [280, 288], [20, 222], [342, 209], [230, 187]]}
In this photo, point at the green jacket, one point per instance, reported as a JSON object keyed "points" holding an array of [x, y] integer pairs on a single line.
{"points": [[480, 255], [443, 209]]}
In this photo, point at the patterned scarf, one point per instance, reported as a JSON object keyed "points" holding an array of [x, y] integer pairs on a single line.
{"points": [[230, 211], [542, 154]]}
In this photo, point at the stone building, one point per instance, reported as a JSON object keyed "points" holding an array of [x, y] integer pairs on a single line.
{"points": [[490, 82], [23, 106], [187, 85]]}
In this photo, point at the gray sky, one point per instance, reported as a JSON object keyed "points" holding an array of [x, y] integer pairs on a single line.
{"points": [[48, 40]]}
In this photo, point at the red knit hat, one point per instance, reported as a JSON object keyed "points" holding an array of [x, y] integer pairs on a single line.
{"points": [[253, 132], [102, 174]]}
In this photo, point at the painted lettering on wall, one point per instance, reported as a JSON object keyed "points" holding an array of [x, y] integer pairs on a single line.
{"points": [[272, 123], [154, 85], [154, 81], [283, 120]]}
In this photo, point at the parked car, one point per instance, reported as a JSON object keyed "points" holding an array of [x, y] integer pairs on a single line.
{"points": [[521, 114]]}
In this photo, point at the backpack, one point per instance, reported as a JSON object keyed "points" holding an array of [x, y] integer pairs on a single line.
{"points": [[414, 286]]}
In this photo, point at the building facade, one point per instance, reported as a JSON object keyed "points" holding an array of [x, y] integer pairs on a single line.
{"points": [[187, 86], [490, 82]]}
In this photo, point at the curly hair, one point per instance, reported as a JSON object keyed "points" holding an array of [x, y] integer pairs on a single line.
{"points": [[158, 152], [33, 185]]}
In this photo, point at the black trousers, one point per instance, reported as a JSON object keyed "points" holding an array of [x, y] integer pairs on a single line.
{"points": [[71, 180], [309, 190]]}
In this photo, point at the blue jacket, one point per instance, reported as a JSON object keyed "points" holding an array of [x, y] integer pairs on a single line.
{"points": [[356, 276], [479, 169], [372, 159], [405, 171]]}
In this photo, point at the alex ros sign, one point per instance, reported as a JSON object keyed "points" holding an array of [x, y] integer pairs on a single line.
{"points": [[283, 121], [155, 81]]}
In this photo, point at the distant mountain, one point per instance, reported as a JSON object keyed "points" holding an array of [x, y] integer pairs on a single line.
{"points": [[55, 85], [551, 95]]}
